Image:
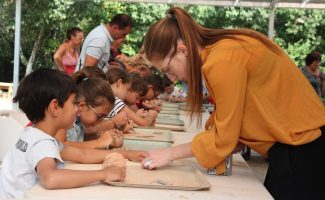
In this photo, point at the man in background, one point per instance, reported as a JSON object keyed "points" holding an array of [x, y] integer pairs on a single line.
{"points": [[96, 47]]}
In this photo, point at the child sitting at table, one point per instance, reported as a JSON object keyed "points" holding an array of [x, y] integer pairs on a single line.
{"points": [[138, 89], [119, 80], [90, 95], [94, 95], [48, 98]]}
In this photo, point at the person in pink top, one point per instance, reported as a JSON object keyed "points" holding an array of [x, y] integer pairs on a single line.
{"points": [[66, 56]]}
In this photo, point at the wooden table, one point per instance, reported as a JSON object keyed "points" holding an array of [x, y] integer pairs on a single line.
{"points": [[242, 184]]}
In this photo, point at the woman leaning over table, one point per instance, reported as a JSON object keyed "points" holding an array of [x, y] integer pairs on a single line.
{"points": [[66, 56], [262, 100]]}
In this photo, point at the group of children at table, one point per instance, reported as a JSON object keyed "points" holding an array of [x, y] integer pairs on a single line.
{"points": [[79, 118]]}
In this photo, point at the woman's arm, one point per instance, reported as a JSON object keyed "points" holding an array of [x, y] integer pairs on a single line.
{"points": [[58, 56], [162, 157]]}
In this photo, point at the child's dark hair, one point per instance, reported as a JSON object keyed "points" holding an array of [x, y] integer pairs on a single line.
{"points": [[72, 32], [311, 57], [94, 91], [156, 81], [166, 81], [114, 74], [39, 88], [91, 72], [138, 84]]}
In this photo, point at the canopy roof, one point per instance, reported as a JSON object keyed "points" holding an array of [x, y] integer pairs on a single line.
{"points": [[314, 4]]}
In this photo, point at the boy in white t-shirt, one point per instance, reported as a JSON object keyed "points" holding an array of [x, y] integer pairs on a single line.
{"points": [[47, 97]]}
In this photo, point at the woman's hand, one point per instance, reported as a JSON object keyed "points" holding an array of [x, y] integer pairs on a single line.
{"points": [[157, 158]]}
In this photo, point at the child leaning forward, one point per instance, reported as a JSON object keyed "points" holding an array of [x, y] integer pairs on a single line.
{"points": [[48, 98]]}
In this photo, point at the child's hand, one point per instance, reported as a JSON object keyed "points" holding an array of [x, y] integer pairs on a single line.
{"points": [[142, 113], [118, 138], [121, 119], [135, 156], [114, 173], [128, 128], [152, 114], [115, 167], [105, 139]]}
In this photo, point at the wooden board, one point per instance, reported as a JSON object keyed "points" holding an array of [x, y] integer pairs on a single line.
{"points": [[166, 116], [169, 104], [164, 127], [172, 112], [169, 108], [150, 135], [170, 177], [144, 145], [167, 121]]}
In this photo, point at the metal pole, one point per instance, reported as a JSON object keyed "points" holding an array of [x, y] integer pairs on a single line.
{"points": [[16, 53], [271, 18], [271, 23]]}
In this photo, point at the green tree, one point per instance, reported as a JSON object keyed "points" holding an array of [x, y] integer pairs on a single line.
{"points": [[44, 25]]}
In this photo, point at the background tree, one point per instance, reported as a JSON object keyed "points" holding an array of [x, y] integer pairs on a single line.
{"points": [[44, 25]]}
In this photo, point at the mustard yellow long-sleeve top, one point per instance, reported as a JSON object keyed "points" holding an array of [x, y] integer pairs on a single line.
{"points": [[261, 98]]}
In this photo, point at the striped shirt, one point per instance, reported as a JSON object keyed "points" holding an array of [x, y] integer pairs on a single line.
{"points": [[118, 106]]}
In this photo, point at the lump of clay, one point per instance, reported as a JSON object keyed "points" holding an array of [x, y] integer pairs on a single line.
{"points": [[114, 158]]}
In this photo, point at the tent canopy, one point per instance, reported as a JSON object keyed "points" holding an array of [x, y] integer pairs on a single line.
{"points": [[314, 4]]}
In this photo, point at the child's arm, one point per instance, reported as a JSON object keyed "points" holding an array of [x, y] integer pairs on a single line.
{"points": [[139, 120], [102, 142], [53, 178], [92, 156], [118, 120]]}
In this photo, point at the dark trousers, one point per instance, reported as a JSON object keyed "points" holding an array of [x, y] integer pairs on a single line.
{"points": [[297, 172]]}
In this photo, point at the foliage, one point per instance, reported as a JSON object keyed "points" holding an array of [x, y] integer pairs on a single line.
{"points": [[298, 31]]}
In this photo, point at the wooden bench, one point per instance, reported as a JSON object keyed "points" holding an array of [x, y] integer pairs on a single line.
{"points": [[8, 87]]}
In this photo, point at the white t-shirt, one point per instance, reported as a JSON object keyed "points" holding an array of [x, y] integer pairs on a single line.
{"points": [[18, 172], [97, 44], [118, 105]]}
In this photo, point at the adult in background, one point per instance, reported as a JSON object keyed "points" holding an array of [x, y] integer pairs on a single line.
{"points": [[66, 56], [96, 47], [262, 100], [313, 73]]}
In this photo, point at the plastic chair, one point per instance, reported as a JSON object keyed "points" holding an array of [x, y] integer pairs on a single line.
{"points": [[20, 117], [10, 131]]}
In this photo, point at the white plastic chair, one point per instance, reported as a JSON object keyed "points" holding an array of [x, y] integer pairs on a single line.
{"points": [[10, 131], [19, 116]]}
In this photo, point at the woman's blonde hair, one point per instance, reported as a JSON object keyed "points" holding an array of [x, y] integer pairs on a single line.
{"points": [[162, 37]]}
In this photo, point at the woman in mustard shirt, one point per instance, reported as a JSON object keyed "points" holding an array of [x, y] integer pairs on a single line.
{"points": [[262, 100]]}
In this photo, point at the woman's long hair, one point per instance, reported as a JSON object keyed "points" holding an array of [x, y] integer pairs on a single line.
{"points": [[162, 37]]}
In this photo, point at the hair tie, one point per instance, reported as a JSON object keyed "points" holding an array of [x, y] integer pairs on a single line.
{"points": [[84, 79]]}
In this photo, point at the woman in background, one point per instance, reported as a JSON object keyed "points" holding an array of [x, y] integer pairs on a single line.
{"points": [[66, 56]]}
